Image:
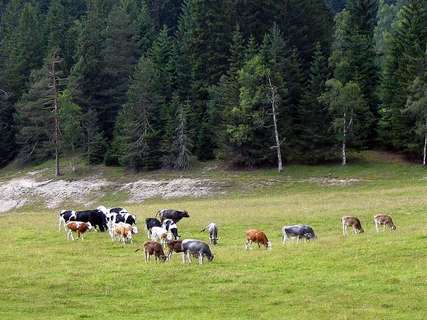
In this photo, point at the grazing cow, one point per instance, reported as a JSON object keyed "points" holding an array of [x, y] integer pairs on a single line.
{"points": [[175, 215], [159, 234], [171, 227], [95, 217], [150, 223], [298, 231], [384, 220], [213, 232], [153, 248], [354, 222], [257, 236], [64, 217], [173, 246], [123, 232], [197, 249], [78, 227], [118, 210]]}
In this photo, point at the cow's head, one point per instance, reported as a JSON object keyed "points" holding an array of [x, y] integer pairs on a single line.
{"points": [[185, 214], [268, 245]]}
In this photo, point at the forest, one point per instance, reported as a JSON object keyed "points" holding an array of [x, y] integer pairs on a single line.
{"points": [[150, 84]]}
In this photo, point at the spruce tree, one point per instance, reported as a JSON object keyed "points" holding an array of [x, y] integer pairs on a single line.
{"points": [[315, 142], [137, 140], [119, 57]]}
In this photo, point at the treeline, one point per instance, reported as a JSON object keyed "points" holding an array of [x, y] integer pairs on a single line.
{"points": [[152, 84]]}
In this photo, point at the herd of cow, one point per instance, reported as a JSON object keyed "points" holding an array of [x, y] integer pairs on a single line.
{"points": [[163, 232]]}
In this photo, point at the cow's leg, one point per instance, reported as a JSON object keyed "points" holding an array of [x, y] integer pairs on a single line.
{"points": [[183, 257], [376, 226], [343, 229], [189, 256], [247, 244], [200, 258], [60, 223]]}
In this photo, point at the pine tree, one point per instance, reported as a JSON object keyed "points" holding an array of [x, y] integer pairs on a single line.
{"points": [[119, 57], [87, 79], [95, 143], [7, 130], [315, 141], [35, 120], [139, 124], [182, 144], [247, 139], [404, 54]]}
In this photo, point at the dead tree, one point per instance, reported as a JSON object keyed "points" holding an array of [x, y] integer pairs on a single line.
{"points": [[54, 80], [274, 99]]}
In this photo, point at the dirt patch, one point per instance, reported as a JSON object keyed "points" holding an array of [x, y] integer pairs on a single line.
{"points": [[166, 189], [324, 181], [20, 191]]}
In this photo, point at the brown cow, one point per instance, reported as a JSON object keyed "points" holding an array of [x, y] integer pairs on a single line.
{"points": [[354, 222], [173, 246], [153, 248], [123, 232], [257, 236], [79, 227], [384, 220]]}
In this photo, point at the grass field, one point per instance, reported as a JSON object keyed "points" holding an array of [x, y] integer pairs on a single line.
{"points": [[369, 276]]}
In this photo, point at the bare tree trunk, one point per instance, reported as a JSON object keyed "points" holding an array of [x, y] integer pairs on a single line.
{"points": [[344, 140], [273, 100], [425, 143], [54, 84]]}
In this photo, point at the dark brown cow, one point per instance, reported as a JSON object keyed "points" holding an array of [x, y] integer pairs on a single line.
{"points": [[383, 220], [153, 248], [173, 246], [350, 221]]}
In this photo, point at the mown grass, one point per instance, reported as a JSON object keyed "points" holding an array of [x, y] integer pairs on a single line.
{"points": [[370, 276]]}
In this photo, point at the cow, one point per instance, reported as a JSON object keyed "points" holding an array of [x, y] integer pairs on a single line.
{"points": [[96, 217], [150, 223], [171, 227], [354, 222], [153, 248], [212, 231], [159, 234], [123, 232], [173, 246], [298, 231], [175, 215], [257, 236], [64, 217], [196, 248], [384, 220], [78, 227]]}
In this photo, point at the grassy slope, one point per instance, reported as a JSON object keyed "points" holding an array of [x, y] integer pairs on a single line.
{"points": [[371, 276]]}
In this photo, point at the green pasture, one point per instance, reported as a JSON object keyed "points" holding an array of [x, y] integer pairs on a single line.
{"points": [[368, 276]]}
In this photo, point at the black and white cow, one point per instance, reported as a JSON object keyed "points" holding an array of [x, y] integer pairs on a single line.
{"points": [[150, 223], [298, 231], [196, 248], [173, 214], [171, 227], [64, 217], [212, 230], [117, 215], [96, 217]]}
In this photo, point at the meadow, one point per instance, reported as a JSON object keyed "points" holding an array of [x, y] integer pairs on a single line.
{"points": [[368, 276]]}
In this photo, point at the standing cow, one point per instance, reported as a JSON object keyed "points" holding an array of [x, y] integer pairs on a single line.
{"points": [[350, 221], [150, 223], [385, 221], [196, 248], [257, 236], [64, 217], [171, 227], [299, 231], [173, 214], [212, 230], [96, 217]]}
